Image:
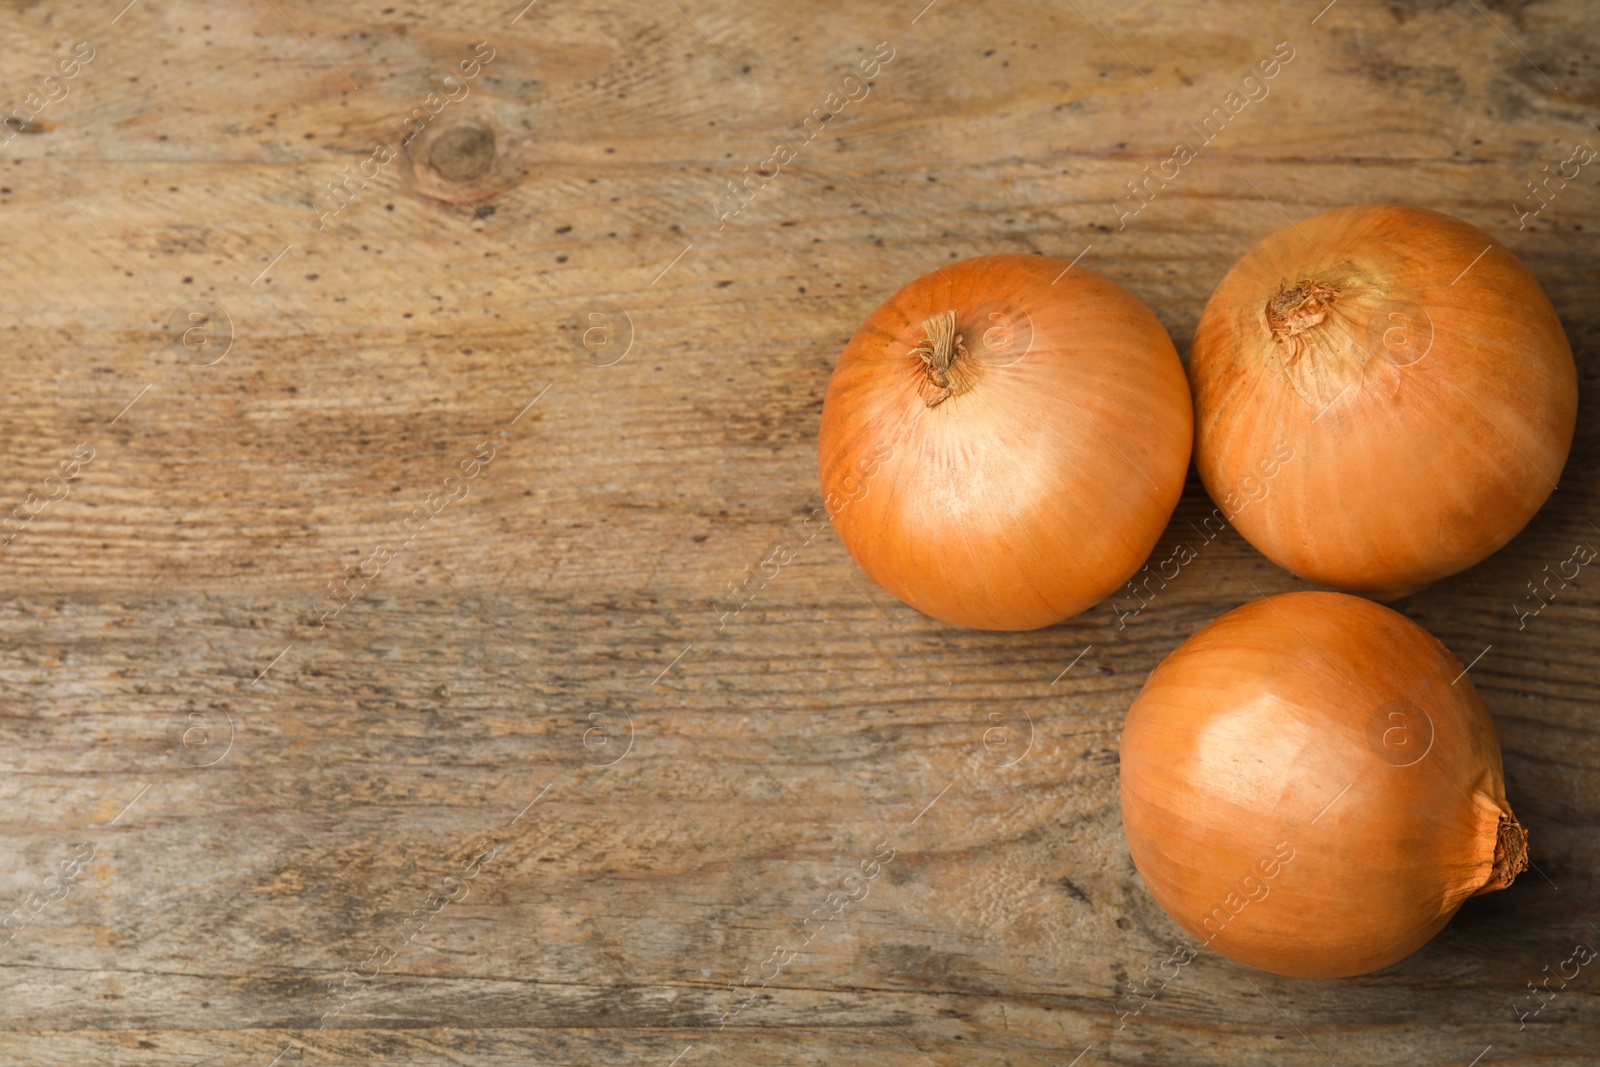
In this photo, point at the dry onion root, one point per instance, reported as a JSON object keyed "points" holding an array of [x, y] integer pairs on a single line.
{"points": [[1306, 790], [1420, 376], [1039, 423]]}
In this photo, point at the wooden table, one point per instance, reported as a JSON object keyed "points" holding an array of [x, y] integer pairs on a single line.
{"points": [[518, 794]]}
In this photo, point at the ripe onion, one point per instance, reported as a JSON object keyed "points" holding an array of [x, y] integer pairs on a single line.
{"points": [[1418, 374], [1004, 440], [1312, 786]]}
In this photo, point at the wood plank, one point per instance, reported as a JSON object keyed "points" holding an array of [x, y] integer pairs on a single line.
{"points": [[703, 784]]}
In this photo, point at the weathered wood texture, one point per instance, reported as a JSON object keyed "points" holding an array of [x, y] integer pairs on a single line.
{"points": [[701, 790]]}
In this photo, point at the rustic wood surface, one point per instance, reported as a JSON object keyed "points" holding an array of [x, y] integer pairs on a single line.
{"points": [[527, 798]]}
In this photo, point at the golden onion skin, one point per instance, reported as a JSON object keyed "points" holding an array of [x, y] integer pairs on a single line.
{"points": [[1042, 481], [1311, 786], [1417, 373]]}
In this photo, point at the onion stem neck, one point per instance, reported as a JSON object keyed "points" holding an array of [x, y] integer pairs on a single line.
{"points": [[1296, 309], [942, 353], [1510, 853]]}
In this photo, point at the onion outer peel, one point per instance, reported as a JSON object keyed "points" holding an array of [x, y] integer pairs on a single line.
{"points": [[1011, 485], [1420, 376], [1283, 727]]}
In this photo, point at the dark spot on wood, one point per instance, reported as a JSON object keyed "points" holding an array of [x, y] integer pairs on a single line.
{"points": [[21, 126], [1077, 894]]}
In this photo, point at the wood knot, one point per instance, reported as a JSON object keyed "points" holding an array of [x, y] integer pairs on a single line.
{"points": [[468, 163], [462, 153]]}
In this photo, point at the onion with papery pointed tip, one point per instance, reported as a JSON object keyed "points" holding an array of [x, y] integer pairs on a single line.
{"points": [[1311, 785]]}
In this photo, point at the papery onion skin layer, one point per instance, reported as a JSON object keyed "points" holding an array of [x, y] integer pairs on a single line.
{"points": [[1282, 729], [1418, 373], [1036, 480]]}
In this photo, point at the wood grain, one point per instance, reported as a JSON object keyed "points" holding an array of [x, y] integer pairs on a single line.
{"points": [[269, 798]]}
